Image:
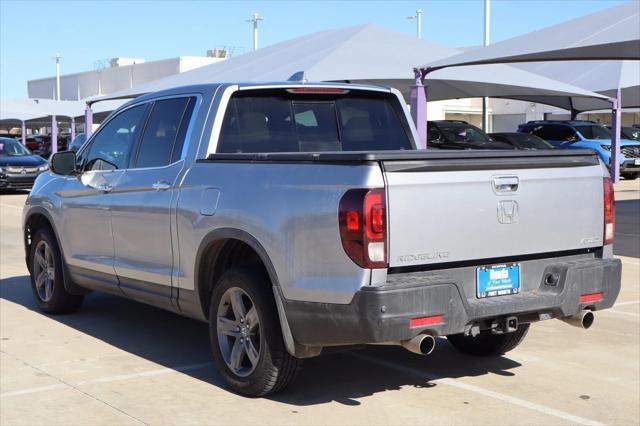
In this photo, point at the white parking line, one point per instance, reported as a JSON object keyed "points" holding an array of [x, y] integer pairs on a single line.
{"points": [[481, 391], [10, 205], [629, 302], [615, 311], [109, 379]]}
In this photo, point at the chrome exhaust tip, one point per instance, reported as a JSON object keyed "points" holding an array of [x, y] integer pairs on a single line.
{"points": [[422, 344], [584, 319]]}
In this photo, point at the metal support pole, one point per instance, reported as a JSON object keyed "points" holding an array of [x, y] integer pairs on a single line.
{"points": [[57, 58], [418, 18], [418, 99], [88, 121], [54, 135], [614, 167], [73, 128], [24, 133], [256, 17], [487, 40]]}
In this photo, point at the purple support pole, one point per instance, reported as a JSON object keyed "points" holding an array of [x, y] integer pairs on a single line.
{"points": [[54, 135], [418, 99], [88, 121], [614, 168], [73, 128], [24, 133]]}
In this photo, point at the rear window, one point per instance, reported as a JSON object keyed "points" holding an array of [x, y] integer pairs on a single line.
{"points": [[277, 121]]}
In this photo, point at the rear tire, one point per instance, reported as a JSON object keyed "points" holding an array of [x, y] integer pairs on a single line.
{"points": [[630, 176], [249, 351], [488, 344], [47, 281]]}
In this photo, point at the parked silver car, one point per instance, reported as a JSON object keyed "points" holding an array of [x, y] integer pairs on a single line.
{"points": [[294, 217]]}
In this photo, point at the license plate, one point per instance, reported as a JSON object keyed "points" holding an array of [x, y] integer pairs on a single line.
{"points": [[498, 280], [636, 161]]}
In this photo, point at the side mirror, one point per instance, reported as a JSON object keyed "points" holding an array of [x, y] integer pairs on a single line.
{"points": [[63, 163]]}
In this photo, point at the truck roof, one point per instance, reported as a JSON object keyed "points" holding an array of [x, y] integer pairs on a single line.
{"points": [[250, 85]]}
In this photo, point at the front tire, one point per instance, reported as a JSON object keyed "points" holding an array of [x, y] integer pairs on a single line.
{"points": [[47, 282], [245, 335], [487, 343]]}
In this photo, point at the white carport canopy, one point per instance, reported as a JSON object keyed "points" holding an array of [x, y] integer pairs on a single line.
{"points": [[375, 55], [40, 113], [34, 113], [610, 34], [604, 77]]}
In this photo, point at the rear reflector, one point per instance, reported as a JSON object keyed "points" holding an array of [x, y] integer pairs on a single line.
{"points": [[422, 321], [591, 297], [317, 90]]}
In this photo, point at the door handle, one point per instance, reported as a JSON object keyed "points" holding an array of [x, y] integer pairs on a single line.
{"points": [[505, 184], [161, 185], [102, 187]]}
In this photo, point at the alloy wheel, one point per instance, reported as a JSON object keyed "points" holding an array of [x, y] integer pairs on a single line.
{"points": [[238, 329], [44, 270]]}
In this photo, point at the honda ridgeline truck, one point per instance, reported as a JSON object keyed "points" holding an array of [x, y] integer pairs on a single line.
{"points": [[295, 217]]}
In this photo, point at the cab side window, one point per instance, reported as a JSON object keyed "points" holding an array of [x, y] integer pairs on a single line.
{"points": [[111, 148], [164, 133]]}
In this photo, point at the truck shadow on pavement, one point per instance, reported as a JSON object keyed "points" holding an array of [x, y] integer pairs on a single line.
{"points": [[627, 242], [174, 342]]}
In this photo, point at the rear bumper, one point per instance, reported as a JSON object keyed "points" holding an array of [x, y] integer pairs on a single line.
{"points": [[629, 166], [382, 314]]}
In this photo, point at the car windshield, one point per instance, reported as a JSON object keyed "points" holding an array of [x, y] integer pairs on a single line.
{"points": [[594, 132], [463, 132], [12, 148], [528, 141]]}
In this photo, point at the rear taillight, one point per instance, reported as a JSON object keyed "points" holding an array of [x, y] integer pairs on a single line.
{"points": [[362, 215], [609, 212]]}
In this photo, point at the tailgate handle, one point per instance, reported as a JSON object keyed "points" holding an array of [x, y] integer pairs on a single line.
{"points": [[505, 184]]}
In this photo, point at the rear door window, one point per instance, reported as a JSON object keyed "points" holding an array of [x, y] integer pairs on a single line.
{"points": [[283, 122], [164, 133]]}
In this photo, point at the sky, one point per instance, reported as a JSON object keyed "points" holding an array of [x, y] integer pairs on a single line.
{"points": [[87, 32]]}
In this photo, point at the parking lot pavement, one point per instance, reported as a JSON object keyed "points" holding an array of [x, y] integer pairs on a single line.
{"points": [[121, 362]]}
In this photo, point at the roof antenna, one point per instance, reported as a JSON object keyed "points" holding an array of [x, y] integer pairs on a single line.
{"points": [[300, 76]]}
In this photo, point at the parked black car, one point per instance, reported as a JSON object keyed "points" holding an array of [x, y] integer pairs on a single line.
{"points": [[19, 167], [44, 146], [631, 133], [454, 134], [521, 140]]}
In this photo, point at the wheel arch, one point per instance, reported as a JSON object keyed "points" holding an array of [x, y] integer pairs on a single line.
{"points": [[212, 251], [37, 218]]}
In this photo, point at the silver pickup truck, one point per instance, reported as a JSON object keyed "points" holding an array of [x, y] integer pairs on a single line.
{"points": [[295, 217]]}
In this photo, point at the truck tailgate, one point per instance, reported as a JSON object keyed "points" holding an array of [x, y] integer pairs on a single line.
{"points": [[444, 210]]}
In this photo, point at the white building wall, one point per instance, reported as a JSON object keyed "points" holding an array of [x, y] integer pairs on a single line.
{"points": [[108, 80]]}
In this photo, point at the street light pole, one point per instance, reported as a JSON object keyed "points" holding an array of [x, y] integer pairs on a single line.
{"points": [[256, 17], [418, 18], [57, 58], [487, 40]]}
